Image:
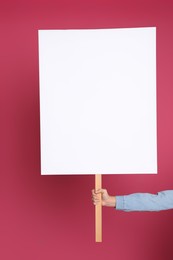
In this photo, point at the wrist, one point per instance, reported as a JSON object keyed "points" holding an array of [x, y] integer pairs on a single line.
{"points": [[111, 202]]}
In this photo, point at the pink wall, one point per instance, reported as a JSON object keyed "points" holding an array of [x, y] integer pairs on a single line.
{"points": [[52, 217]]}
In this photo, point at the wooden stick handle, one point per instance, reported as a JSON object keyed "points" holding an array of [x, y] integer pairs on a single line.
{"points": [[98, 210]]}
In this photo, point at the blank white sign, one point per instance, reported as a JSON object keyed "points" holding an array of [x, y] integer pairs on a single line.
{"points": [[98, 101]]}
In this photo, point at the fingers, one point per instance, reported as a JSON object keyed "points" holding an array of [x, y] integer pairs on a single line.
{"points": [[95, 195], [95, 198], [96, 202]]}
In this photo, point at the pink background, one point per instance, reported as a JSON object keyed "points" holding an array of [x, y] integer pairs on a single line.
{"points": [[52, 217]]}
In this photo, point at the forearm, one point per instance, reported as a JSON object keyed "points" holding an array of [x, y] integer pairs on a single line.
{"points": [[145, 201]]}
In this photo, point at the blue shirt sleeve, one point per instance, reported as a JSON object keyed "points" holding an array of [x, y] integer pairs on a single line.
{"points": [[163, 200]]}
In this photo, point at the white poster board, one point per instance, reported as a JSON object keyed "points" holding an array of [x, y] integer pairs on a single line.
{"points": [[98, 101]]}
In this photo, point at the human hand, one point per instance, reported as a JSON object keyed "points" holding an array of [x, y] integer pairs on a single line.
{"points": [[106, 199]]}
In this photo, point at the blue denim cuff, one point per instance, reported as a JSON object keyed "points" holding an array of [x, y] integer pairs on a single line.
{"points": [[119, 202]]}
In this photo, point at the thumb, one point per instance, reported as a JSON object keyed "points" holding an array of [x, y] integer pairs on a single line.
{"points": [[103, 191]]}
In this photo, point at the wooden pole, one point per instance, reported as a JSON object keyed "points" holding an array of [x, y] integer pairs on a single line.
{"points": [[98, 210]]}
